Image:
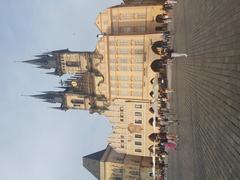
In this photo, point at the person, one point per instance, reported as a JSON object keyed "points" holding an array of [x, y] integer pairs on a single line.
{"points": [[171, 2], [169, 53], [170, 145]]}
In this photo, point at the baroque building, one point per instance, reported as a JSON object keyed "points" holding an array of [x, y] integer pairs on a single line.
{"points": [[114, 79]]}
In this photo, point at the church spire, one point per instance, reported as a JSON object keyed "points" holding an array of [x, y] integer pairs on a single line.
{"points": [[51, 97]]}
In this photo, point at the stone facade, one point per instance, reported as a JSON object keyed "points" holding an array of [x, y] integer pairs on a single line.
{"points": [[114, 79]]}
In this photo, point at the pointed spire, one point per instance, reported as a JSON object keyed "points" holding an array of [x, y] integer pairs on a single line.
{"points": [[44, 61]]}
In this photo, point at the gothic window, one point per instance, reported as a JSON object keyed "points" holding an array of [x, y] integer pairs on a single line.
{"points": [[72, 63], [77, 101]]}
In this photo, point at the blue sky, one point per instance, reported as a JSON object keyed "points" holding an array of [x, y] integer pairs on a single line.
{"points": [[37, 142]]}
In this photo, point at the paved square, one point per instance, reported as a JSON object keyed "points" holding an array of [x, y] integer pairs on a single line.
{"points": [[208, 90]]}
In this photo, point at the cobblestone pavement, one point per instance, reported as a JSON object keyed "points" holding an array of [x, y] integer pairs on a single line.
{"points": [[207, 83]]}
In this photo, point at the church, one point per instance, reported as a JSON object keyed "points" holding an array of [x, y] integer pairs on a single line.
{"points": [[114, 80]]}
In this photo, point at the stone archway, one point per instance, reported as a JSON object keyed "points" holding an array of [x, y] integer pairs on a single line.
{"points": [[157, 65], [151, 121], [154, 137], [159, 18]]}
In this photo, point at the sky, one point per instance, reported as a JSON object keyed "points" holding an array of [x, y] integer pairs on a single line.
{"points": [[37, 142]]}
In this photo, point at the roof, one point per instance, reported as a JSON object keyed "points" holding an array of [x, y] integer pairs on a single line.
{"points": [[92, 163]]}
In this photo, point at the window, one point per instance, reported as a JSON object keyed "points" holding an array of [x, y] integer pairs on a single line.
{"points": [[138, 143], [124, 78], [126, 29], [113, 78], [112, 60], [123, 51], [122, 141], [138, 51], [137, 78], [138, 68], [122, 137], [138, 150], [115, 29], [123, 60], [138, 60], [139, 85], [137, 93], [105, 22], [124, 93], [72, 63], [139, 42], [140, 29], [138, 106], [124, 68], [121, 120], [114, 84], [138, 136], [114, 18], [77, 101], [113, 92], [123, 43], [127, 16], [121, 109], [138, 113], [121, 115], [112, 68], [134, 173], [112, 51], [141, 16], [124, 85], [138, 121]]}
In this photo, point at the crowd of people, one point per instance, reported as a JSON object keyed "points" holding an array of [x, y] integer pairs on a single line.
{"points": [[163, 116]]}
